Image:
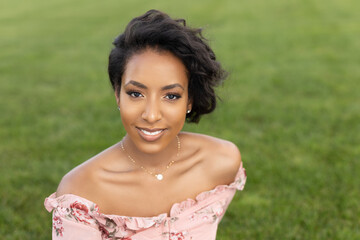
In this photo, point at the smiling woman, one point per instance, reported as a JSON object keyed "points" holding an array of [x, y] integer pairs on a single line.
{"points": [[157, 182], [153, 101]]}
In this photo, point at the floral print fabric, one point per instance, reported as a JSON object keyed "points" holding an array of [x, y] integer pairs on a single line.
{"points": [[193, 219]]}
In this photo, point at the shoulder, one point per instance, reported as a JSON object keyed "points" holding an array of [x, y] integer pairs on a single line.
{"points": [[74, 180], [83, 179], [221, 158]]}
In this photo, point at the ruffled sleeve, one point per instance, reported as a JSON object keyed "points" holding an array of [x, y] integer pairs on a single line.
{"points": [[240, 179], [72, 222], [225, 192], [75, 217]]}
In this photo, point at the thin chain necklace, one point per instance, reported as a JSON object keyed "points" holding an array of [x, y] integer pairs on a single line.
{"points": [[158, 176]]}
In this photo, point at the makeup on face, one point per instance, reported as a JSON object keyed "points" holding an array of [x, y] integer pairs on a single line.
{"points": [[153, 100]]}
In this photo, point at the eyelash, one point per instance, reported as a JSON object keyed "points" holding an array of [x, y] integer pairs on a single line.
{"points": [[177, 96], [131, 94], [134, 93]]}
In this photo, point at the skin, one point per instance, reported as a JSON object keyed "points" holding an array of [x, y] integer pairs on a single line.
{"points": [[153, 95]]}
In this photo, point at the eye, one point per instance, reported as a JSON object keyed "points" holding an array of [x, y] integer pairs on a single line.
{"points": [[134, 94], [173, 96]]}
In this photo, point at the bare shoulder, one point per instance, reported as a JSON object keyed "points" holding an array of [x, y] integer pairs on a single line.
{"points": [[71, 182], [82, 180], [222, 158]]}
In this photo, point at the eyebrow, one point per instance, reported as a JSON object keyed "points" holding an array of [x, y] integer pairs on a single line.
{"points": [[137, 84], [167, 87], [171, 86]]}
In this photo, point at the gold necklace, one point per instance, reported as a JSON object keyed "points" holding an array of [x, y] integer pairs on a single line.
{"points": [[158, 176]]}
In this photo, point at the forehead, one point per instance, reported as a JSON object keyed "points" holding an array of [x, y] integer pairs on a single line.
{"points": [[155, 69]]}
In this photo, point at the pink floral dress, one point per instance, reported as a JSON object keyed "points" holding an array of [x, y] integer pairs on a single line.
{"points": [[193, 219]]}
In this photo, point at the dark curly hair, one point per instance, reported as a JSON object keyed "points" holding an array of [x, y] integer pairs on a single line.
{"points": [[157, 31]]}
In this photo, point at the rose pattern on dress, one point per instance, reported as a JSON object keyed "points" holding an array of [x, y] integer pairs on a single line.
{"points": [[106, 235], [85, 212], [210, 213], [104, 232], [110, 230], [57, 225], [177, 236], [80, 212], [77, 210]]}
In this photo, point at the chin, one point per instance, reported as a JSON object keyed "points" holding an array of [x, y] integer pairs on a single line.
{"points": [[150, 147]]}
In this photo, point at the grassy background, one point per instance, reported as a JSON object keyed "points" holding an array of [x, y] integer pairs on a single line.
{"points": [[291, 104]]}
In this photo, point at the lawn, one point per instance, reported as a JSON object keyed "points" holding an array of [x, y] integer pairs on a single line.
{"points": [[291, 104]]}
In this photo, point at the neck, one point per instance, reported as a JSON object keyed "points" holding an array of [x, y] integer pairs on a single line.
{"points": [[152, 161]]}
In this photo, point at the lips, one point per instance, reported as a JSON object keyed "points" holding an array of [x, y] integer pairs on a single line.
{"points": [[152, 134]]}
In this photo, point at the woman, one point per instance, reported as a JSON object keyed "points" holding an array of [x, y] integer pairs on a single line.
{"points": [[157, 182]]}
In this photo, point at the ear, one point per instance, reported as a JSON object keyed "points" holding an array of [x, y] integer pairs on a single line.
{"points": [[189, 105], [117, 96]]}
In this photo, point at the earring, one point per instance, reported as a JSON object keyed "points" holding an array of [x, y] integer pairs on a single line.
{"points": [[118, 108], [188, 111]]}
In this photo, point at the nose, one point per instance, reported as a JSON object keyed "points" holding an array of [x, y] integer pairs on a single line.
{"points": [[152, 112]]}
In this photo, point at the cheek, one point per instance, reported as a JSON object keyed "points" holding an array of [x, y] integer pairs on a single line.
{"points": [[175, 114], [128, 112]]}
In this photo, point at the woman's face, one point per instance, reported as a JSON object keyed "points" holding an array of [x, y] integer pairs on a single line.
{"points": [[153, 99]]}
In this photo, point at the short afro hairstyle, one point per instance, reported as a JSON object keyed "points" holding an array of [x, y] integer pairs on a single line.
{"points": [[157, 31]]}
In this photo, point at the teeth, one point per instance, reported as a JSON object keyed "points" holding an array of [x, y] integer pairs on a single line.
{"points": [[150, 133]]}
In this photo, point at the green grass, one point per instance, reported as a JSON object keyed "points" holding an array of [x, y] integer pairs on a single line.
{"points": [[291, 104]]}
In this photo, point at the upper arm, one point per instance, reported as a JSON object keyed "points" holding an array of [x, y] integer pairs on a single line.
{"points": [[232, 159], [66, 184], [74, 181], [226, 161]]}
